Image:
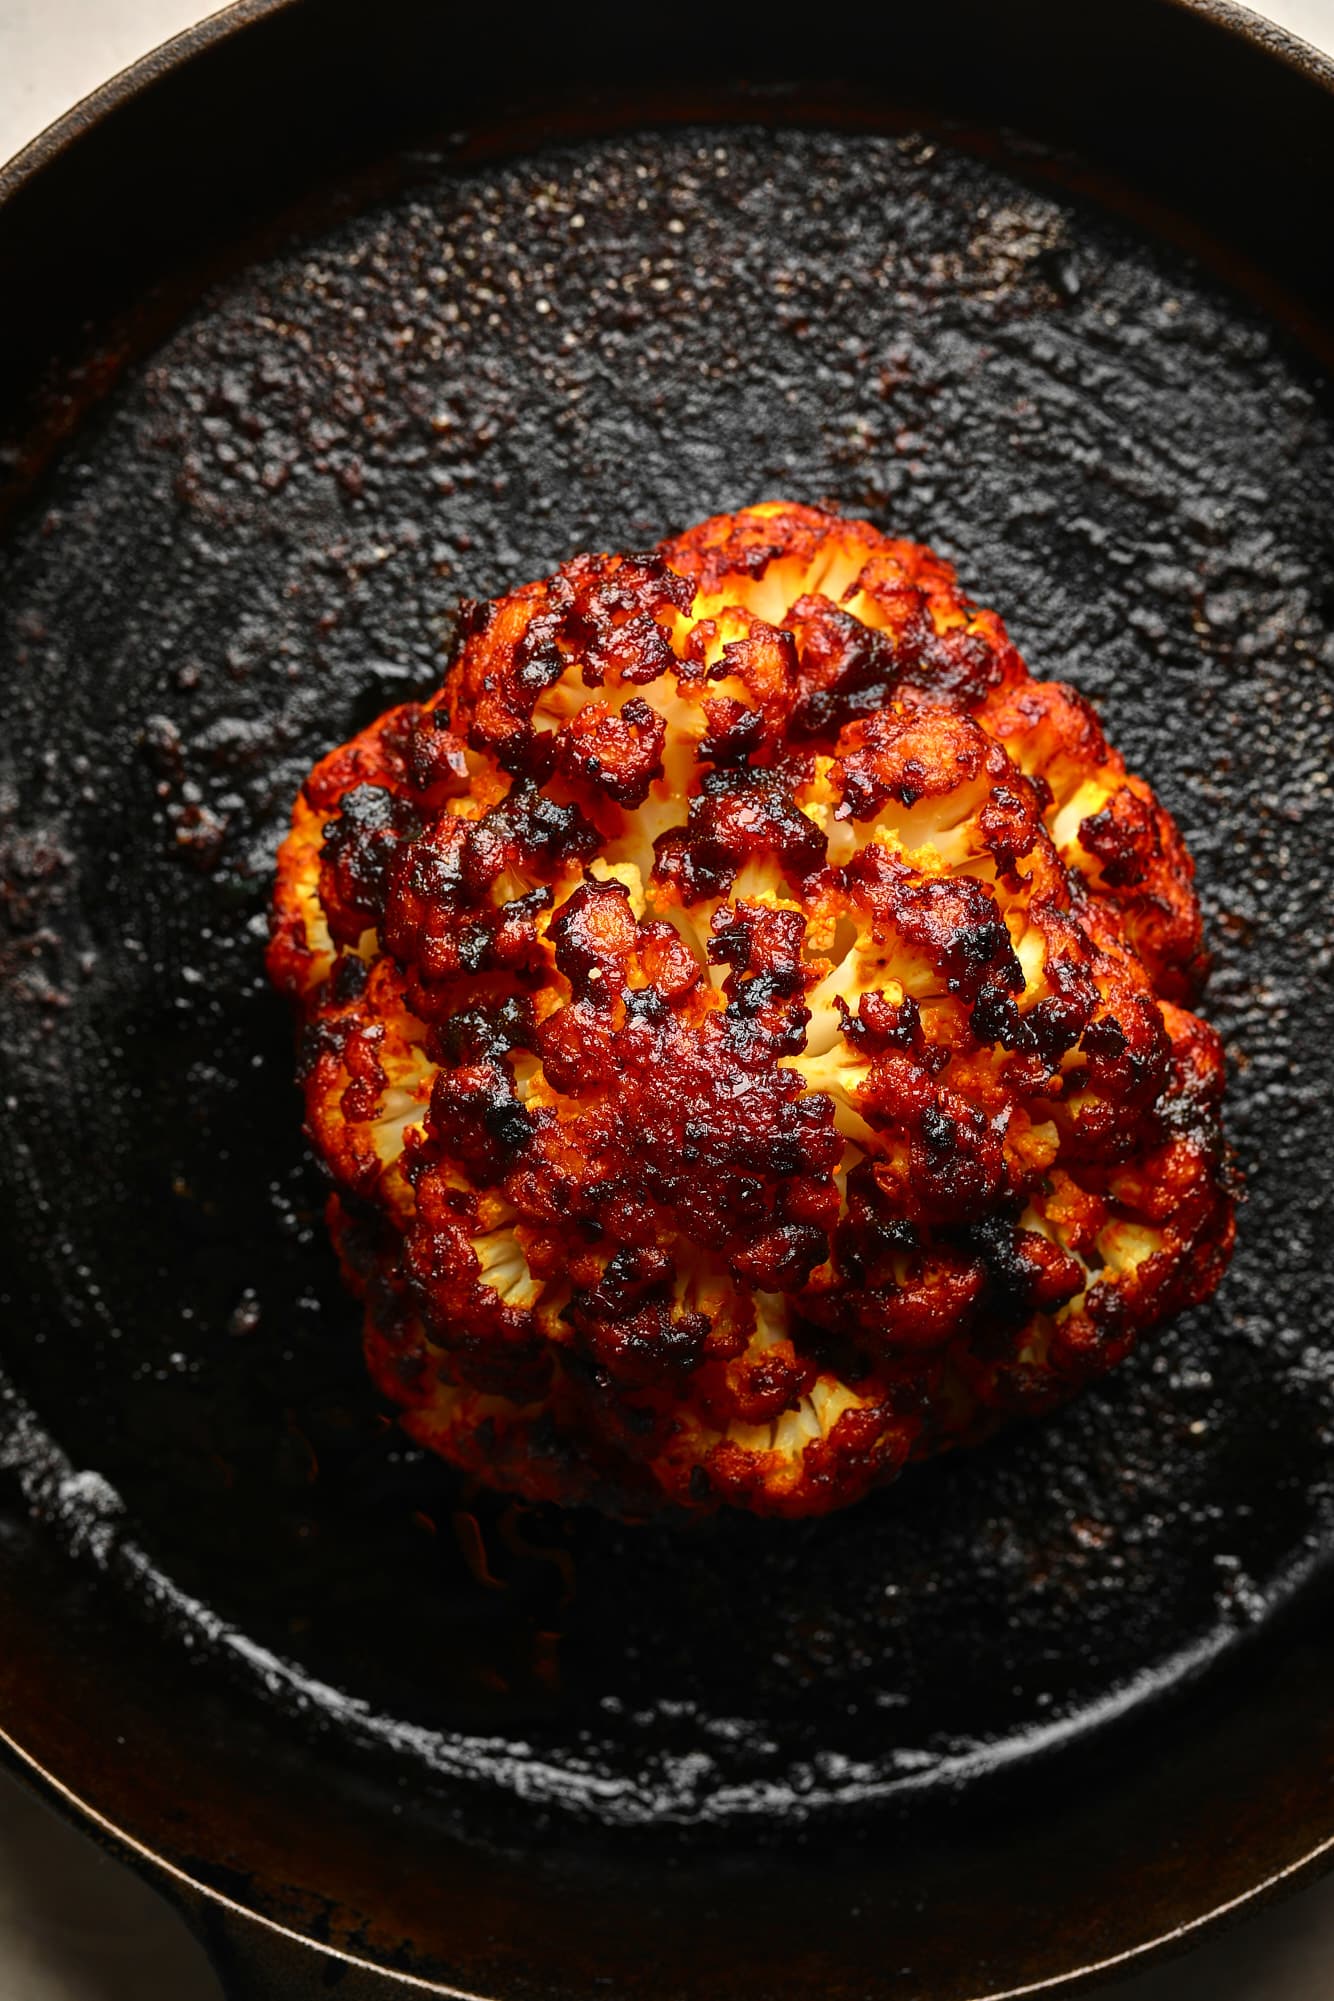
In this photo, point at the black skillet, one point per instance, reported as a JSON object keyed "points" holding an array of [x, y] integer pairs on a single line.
{"points": [[315, 320]]}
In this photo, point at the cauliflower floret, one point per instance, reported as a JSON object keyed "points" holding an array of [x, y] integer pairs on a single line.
{"points": [[742, 1015]]}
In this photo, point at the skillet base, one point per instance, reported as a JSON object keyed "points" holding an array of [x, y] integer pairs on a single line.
{"points": [[254, 549]]}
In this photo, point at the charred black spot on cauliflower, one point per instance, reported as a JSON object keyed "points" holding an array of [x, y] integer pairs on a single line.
{"points": [[745, 1023]]}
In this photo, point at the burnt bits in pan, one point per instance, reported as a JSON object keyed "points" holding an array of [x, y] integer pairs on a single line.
{"points": [[258, 545]]}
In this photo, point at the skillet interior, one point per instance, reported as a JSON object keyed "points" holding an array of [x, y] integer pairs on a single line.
{"points": [[253, 547]]}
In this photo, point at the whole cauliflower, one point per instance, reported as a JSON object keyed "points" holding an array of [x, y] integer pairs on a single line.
{"points": [[743, 1020]]}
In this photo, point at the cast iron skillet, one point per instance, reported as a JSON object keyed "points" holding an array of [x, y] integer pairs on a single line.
{"points": [[317, 319]]}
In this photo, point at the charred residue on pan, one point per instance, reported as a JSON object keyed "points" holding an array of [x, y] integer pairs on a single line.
{"points": [[258, 544]]}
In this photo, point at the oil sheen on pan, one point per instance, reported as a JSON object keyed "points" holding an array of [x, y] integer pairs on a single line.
{"points": [[258, 547]]}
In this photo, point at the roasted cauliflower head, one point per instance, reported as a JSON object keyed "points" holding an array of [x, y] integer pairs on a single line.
{"points": [[742, 1014]]}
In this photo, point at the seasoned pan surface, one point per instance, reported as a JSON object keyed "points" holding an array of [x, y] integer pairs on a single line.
{"points": [[257, 545], [1031, 1708]]}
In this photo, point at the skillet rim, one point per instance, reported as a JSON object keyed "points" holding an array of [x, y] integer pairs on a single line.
{"points": [[177, 1883], [192, 1892], [1267, 38]]}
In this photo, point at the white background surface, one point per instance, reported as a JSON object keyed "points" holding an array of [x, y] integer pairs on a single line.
{"points": [[75, 1926]]}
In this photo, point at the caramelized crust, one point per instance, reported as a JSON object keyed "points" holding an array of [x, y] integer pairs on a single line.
{"points": [[742, 1014]]}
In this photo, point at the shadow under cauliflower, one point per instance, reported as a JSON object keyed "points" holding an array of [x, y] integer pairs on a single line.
{"points": [[743, 1019]]}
